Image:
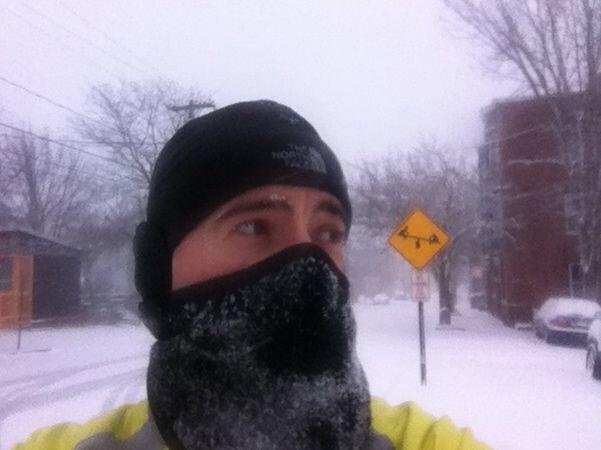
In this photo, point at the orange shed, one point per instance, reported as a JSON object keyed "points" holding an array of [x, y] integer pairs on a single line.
{"points": [[39, 278]]}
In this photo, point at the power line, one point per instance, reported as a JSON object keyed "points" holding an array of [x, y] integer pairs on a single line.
{"points": [[116, 43], [190, 108], [88, 142], [96, 176], [54, 141], [49, 100], [64, 142], [72, 111], [83, 39], [71, 147], [58, 41]]}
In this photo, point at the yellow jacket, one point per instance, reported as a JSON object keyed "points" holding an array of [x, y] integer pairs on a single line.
{"points": [[403, 427]]}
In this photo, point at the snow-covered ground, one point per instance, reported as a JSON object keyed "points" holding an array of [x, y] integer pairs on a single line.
{"points": [[513, 391]]}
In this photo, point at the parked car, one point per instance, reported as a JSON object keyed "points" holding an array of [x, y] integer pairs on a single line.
{"points": [[564, 317], [593, 348]]}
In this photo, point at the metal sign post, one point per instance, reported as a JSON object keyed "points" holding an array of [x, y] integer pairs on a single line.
{"points": [[420, 289], [422, 343], [418, 239]]}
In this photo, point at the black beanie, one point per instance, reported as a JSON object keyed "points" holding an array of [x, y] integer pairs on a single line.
{"points": [[214, 158], [211, 160]]}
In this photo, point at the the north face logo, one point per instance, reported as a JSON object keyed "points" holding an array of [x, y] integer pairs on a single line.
{"points": [[301, 157]]}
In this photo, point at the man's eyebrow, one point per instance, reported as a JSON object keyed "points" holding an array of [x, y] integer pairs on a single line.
{"points": [[250, 206], [330, 207]]}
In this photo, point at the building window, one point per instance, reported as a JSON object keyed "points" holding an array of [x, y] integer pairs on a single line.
{"points": [[6, 271]]}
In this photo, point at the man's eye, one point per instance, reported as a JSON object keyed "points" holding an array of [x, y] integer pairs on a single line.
{"points": [[250, 228], [331, 236]]}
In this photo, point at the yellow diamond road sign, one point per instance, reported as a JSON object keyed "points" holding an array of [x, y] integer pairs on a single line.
{"points": [[418, 239]]}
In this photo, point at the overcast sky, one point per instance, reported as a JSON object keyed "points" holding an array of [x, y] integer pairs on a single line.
{"points": [[372, 76]]}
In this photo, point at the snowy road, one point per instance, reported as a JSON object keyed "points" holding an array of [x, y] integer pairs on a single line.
{"points": [[514, 391], [87, 371]]}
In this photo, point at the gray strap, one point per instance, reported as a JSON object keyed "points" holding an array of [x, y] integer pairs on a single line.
{"points": [[146, 438], [149, 438], [377, 441]]}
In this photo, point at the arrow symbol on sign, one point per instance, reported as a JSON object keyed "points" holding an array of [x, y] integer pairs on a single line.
{"points": [[432, 239]]}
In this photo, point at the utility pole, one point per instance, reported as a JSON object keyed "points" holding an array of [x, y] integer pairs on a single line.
{"points": [[191, 107]]}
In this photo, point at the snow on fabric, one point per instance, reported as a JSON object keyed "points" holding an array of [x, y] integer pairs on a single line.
{"points": [[269, 348]]}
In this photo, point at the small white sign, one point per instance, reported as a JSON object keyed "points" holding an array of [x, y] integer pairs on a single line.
{"points": [[420, 286]]}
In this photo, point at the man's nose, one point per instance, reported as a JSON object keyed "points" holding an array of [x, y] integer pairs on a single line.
{"points": [[298, 234]]}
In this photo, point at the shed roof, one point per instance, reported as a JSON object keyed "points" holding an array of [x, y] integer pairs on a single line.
{"points": [[29, 243]]}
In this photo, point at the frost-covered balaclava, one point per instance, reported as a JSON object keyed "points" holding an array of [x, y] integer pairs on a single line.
{"points": [[263, 358]]}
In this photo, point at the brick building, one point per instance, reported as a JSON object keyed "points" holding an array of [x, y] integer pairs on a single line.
{"points": [[527, 207]]}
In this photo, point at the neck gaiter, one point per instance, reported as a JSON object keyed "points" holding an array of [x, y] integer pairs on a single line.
{"points": [[261, 359]]}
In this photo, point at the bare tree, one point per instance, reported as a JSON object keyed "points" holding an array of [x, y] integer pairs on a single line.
{"points": [[128, 124], [553, 48], [7, 177], [131, 122], [47, 188], [428, 177]]}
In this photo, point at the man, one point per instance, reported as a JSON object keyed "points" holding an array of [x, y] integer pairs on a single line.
{"points": [[240, 265]]}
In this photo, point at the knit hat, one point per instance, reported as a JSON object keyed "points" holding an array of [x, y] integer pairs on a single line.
{"points": [[218, 156]]}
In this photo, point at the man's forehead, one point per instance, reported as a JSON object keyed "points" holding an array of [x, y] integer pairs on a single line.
{"points": [[282, 194]]}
